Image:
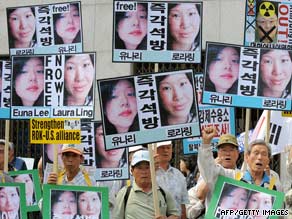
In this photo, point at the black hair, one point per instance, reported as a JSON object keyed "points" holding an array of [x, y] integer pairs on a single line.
{"points": [[163, 113], [97, 155], [261, 83], [66, 93], [169, 36], [55, 195], [106, 91], [78, 211], [10, 36], [18, 64], [56, 17], [212, 55], [228, 189], [119, 43], [30, 176], [190, 162]]}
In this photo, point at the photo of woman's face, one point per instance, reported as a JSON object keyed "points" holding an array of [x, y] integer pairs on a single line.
{"points": [[237, 199], [89, 204], [260, 201], [22, 25], [29, 83], [29, 186], [49, 148], [276, 71], [133, 27], [177, 94], [65, 205], [110, 155], [223, 71], [68, 25], [9, 200], [121, 109], [79, 75], [184, 23]]}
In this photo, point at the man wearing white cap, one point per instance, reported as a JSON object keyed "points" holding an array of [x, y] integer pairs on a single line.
{"points": [[170, 178], [137, 201], [73, 173]]}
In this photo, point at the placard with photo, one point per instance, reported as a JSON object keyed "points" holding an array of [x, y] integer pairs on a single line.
{"points": [[76, 198], [230, 194], [222, 118], [30, 179], [53, 86], [162, 31], [148, 108], [267, 24], [247, 77], [14, 206], [46, 28]]}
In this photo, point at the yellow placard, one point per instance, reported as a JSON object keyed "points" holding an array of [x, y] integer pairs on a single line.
{"points": [[287, 113], [55, 131]]}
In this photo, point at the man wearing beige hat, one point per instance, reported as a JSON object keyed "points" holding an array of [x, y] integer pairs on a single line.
{"points": [[73, 173], [257, 157], [137, 201], [170, 178], [199, 195]]}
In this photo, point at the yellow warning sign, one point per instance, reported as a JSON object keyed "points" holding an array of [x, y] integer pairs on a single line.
{"points": [[55, 131], [287, 113]]}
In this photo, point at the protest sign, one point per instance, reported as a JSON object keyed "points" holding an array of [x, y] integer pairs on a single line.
{"points": [[148, 108], [222, 118], [53, 131], [162, 31], [77, 198], [45, 29], [53, 86], [267, 24], [241, 76], [30, 179], [5, 89], [110, 164], [251, 200], [15, 206]]}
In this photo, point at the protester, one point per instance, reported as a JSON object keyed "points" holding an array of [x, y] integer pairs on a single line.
{"points": [[257, 158], [176, 99], [21, 27], [89, 205], [188, 167], [266, 22], [275, 73], [67, 26], [73, 173], [200, 195], [28, 81], [170, 178], [222, 69], [16, 162], [184, 23], [139, 200], [119, 106], [79, 77], [131, 29]]}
